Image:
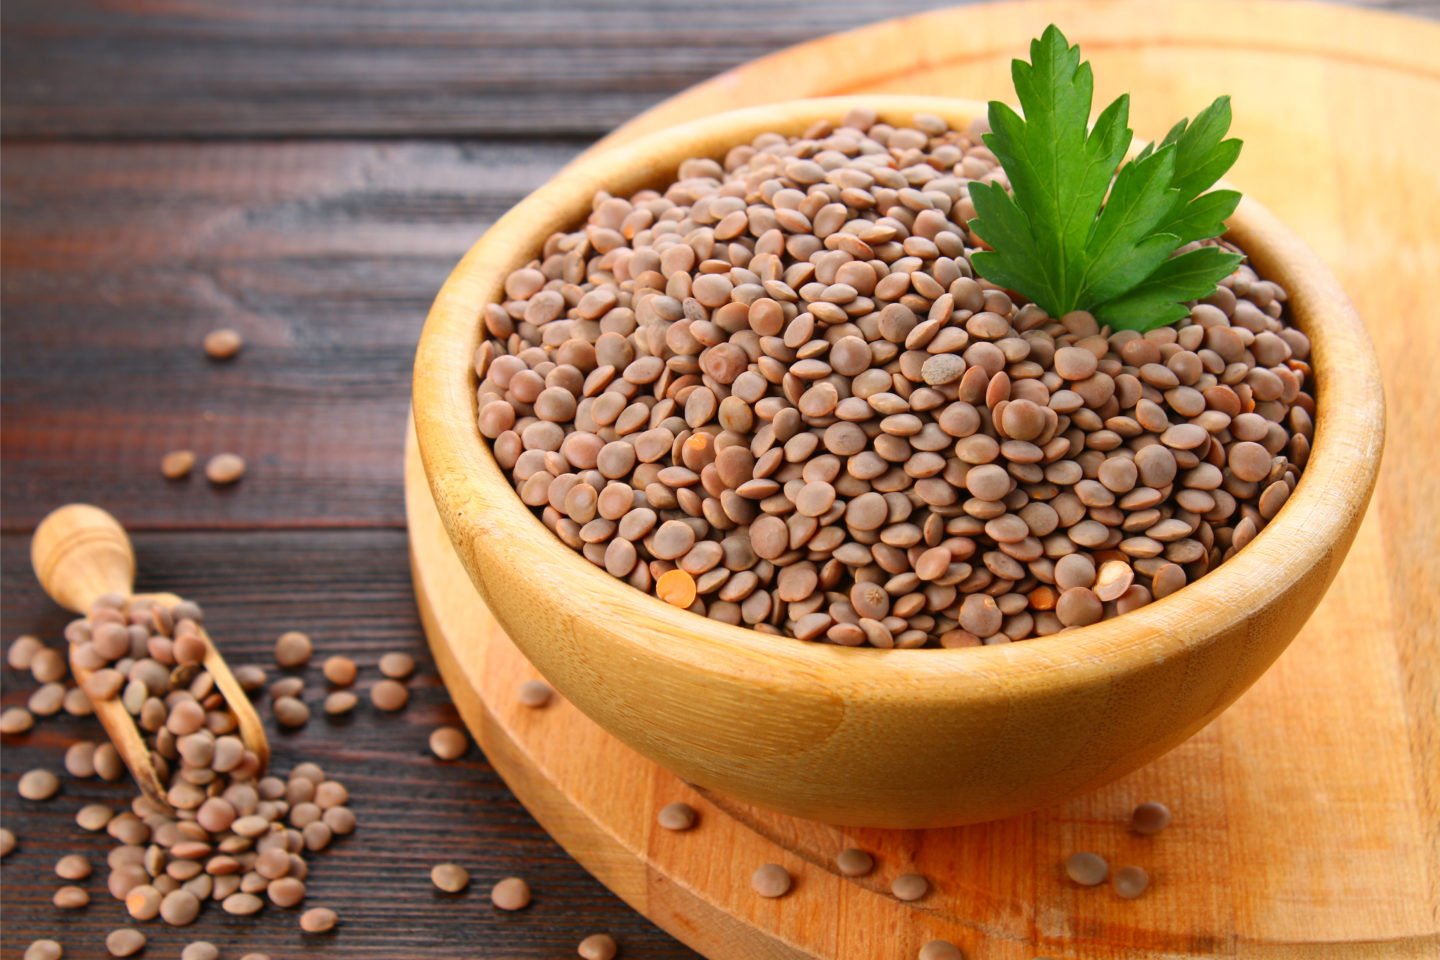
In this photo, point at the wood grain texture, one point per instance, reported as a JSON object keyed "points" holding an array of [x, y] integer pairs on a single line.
{"points": [[142, 68], [350, 590], [1311, 806], [325, 256]]}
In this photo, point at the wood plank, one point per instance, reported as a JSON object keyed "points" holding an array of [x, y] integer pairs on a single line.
{"points": [[118, 258], [135, 68], [351, 591]]}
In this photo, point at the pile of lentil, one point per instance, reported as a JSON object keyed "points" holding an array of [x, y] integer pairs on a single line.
{"points": [[776, 394], [229, 836]]}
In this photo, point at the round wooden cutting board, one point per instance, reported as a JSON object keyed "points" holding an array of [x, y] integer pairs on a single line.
{"points": [[1307, 817]]}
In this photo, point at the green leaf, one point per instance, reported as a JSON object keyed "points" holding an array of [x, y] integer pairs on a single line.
{"points": [[1056, 239], [1123, 247], [1159, 299], [1059, 170]]}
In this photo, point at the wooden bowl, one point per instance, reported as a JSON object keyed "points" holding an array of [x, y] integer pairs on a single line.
{"points": [[867, 737]]}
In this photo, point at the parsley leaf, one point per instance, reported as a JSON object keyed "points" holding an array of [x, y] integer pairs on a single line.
{"points": [[1055, 238]]}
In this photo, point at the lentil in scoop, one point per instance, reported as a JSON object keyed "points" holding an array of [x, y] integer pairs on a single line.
{"points": [[775, 394]]}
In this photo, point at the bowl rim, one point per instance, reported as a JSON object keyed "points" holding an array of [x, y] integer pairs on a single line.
{"points": [[478, 504]]}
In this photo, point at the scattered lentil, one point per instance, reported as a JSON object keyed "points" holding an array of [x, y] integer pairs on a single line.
{"points": [[223, 344], [72, 866], [676, 816], [125, 942], [177, 464], [448, 743], [1130, 882], [854, 863], [47, 665], [71, 898], [200, 950], [941, 950], [22, 651], [512, 893], [93, 817], [771, 880], [598, 946], [450, 877], [293, 649], [44, 950], [340, 702], [1150, 818], [291, 712], [224, 469], [909, 886], [397, 666], [318, 920], [535, 693], [389, 695], [1087, 869], [341, 671], [16, 720], [38, 785], [7, 842]]}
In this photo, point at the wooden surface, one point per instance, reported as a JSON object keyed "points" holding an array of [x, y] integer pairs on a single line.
{"points": [[137, 216], [811, 730]]}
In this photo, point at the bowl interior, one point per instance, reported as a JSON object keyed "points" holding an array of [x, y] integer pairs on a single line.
{"points": [[490, 526]]}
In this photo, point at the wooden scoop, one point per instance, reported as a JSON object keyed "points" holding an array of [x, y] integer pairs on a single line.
{"points": [[81, 553]]}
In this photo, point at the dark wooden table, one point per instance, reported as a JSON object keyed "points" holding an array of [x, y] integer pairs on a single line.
{"points": [[307, 173]]}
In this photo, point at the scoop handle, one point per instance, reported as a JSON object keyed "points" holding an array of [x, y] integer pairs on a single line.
{"points": [[80, 553]]}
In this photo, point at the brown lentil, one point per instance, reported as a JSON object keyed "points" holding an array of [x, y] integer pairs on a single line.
{"points": [[291, 712], [318, 920], [177, 464], [341, 671], [771, 880], [1150, 818], [854, 863], [44, 950], [1130, 882], [389, 695], [676, 816], [72, 867], [450, 877], [7, 842], [222, 344], [93, 817], [535, 693], [16, 720], [125, 942], [340, 702], [47, 665], [448, 743], [511, 893], [71, 898], [293, 649], [941, 950], [397, 666], [200, 950], [224, 469], [909, 886], [1086, 869], [38, 785], [598, 946]]}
